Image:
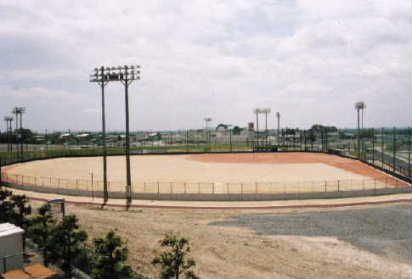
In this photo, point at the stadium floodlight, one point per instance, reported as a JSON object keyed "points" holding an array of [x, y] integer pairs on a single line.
{"points": [[359, 106], [126, 75]]}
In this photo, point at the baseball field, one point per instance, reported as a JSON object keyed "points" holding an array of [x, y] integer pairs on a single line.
{"points": [[208, 173]]}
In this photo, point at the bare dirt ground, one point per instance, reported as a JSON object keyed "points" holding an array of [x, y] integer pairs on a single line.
{"points": [[350, 165], [274, 172], [267, 243]]}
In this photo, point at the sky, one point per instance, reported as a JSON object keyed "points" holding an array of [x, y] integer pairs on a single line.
{"points": [[310, 60]]}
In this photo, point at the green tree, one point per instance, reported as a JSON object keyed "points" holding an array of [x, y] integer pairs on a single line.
{"points": [[21, 210], [67, 243], [236, 130], [111, 254], [41, 229], [6, 206], [174, 259], [19, 215]]}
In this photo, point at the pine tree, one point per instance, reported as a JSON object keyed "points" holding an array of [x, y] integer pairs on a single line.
{"points": [[111, 255], [173, 260], [66, 243], [19, 215], [41, 229], [21, 210]]}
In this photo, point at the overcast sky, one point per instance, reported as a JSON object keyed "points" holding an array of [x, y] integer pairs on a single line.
{"points": [[310, 60]]}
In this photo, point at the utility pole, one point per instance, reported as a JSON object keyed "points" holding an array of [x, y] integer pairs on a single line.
{"points": [[126, 75]]}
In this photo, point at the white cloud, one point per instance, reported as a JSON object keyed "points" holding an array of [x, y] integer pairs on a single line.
{"points": [[311, 60]]}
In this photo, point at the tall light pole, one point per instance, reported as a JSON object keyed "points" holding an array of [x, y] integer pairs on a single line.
{"points": [[9, 120], [359, 106], [101, 80], [257, 111], [15, 111], [266, 111], [126, 75], [278, 121], [207, 120], [230, 136], [18, 111], [363, 111]]}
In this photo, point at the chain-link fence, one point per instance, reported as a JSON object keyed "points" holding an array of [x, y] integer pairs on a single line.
{"points": [[386, 149], [93, 188]]}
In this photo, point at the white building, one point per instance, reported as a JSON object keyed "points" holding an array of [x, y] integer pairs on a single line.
{"points": [[11, 247]]}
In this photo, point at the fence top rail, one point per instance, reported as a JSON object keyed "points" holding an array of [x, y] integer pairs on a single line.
{"points": [[177, 182]]}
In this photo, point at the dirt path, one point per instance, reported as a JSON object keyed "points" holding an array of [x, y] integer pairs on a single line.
{"points": [[236, 251]]}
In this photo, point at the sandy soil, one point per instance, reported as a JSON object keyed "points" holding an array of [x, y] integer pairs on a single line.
{"points": [[182, 168], [353, 166], [235, 251], [207, 168]]}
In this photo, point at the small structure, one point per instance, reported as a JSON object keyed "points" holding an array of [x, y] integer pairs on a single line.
{"points": [[11, 247]]}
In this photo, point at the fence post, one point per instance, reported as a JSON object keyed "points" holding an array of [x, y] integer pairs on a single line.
{"points": [[227, 187], [338, 186], [158, 190], [77, 184], [241, 191], [213, 188]]}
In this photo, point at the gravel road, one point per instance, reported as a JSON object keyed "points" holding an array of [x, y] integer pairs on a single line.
{"points": [[384, 231]]}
